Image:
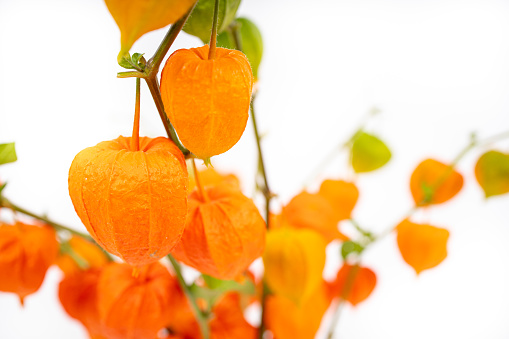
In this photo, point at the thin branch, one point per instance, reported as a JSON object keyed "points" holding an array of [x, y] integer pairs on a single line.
{"points": [[200, 316]]}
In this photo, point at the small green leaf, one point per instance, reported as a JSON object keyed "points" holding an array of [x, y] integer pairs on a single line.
{"points": [[368, 153], [139, 60], [2, 187], [200, 22], [350, 247], [126, 62], [229, 285], [7, 153], [492, 173]]}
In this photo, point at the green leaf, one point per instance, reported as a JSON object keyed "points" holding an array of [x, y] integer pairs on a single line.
{"points": [[368, 153], [492, 173], [126, 62], [139, 60], [229, 285], [7, 153], [216, 288], [200, 22], [350, 247], [2, 187]]}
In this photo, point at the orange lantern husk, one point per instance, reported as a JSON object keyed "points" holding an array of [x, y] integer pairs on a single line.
{"points": [[422, 246], [224, 234], [27, 251], [135, 307], [287, 320], [91, 254], [294, 260], [78, 295], [313, 211], [207, 101], [133, 203], [354, 283], [433, 182]]}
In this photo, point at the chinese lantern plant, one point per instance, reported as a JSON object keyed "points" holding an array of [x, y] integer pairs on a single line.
{"points": [[130, 193]]}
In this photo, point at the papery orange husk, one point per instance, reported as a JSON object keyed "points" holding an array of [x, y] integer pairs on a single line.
{"points": [[313, 211], [26, 253], [354, 283], [210, 177], [207, 101], [294, 260], [422, 246], [87, 251], [135, 307], [342, 195], [78, 295], [431, 174], [133, 203], [224, 234], [287, 320]]}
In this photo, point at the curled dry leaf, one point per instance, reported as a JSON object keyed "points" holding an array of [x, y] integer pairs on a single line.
{"points": [[224, 233], [294, 260], [207, 101], [133, 203], [433, 182], [137, 17], [287, 320], [422, 246], [492, 173], [354, 283], [313, 211], [27, 251]]}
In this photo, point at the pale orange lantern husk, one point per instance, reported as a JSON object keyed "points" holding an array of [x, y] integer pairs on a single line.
{"points": [[133, 203], [438, 177], [294, 260], [207, 101], [135, 307], [422, 246], [27, 251], [225, 232]]}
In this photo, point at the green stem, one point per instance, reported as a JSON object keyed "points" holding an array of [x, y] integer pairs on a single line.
{"points": [[155, 62], [4, 202], [135, 139], [265, 190], [153, 86], [200, 317], [213, 33]]}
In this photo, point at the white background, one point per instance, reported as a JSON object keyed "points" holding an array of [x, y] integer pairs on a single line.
{"points": [[438, 70]]}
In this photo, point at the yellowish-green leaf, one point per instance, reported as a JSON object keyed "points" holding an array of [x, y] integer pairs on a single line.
{"points": [[7, 153], [199, 23], [492, 173], [137, 17], [369, 153]]}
